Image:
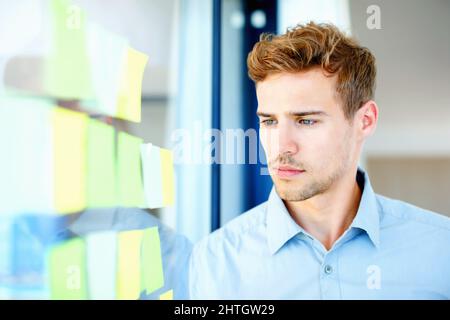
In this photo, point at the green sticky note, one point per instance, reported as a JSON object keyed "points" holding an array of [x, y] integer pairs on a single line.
{"points": [[152, 267], [68, 270], [101, 168], [67, 71], [130, 186]]}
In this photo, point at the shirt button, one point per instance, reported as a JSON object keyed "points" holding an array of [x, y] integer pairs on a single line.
{"points": [[328, 269]]}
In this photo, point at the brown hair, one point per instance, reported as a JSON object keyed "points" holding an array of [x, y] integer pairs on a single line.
{"points": [[318, 45]]}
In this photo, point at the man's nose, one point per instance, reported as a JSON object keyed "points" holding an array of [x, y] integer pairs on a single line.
{"points": [[287, 143]]}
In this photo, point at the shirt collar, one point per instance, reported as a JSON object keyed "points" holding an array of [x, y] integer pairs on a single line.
{"points": [[281, 227], [367, 217]]}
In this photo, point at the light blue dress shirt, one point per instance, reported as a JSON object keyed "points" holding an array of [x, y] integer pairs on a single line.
{"points": [[392, 250]]}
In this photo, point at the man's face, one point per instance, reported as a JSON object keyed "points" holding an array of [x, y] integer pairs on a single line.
{"points": [[308, 141]]}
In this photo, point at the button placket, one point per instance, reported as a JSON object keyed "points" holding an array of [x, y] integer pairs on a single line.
{"points": [[329, 282]]}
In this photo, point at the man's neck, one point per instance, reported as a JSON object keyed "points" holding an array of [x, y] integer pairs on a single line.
{"points": [[327, 216]]}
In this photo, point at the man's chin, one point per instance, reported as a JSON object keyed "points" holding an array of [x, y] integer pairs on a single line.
{"points": [[288, 193], [295, 191]]}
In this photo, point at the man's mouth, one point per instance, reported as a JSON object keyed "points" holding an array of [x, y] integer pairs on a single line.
{"points": [[287, 171]]}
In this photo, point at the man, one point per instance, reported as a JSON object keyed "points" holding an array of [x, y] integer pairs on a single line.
{"points": [[323, 233]]}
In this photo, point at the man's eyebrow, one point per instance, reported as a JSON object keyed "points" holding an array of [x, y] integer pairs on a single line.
{"points": [[296, 114], [263, 114], [308, 113]]}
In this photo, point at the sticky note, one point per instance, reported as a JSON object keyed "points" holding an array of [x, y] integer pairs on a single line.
{"points": [[69, 147], [152, 174], [152, 267], [67, 72], [34, 170], [101, 165], [168, 183], [10, 120], [129, 265], [26, 169], [67, 270], [130, 90], [130, 188], [107, 53], [166, 295], [101, 250]]}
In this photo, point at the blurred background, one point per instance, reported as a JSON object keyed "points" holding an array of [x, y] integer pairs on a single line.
{"points": [[195, 82]]}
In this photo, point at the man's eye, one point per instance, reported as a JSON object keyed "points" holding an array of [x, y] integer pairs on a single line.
{"points": [[307, 122], [268, 122]]}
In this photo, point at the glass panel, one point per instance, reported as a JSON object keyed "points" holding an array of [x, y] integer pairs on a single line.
{"points": [[96, 201]]}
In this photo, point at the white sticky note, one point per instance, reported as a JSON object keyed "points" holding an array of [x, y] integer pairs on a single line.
{"points": [[26, 168], [9, 121], [101, 265], [107, 53], [151, 164]]}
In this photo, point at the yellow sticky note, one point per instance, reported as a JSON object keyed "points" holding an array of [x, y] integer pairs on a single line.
{"points": [[69, 149], [166, 295], [152, 267], [129, 265], [130, 92], [168, 183], [68, 270]]}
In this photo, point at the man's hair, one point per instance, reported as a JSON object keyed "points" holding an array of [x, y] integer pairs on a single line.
{"points": [[318, 45]]}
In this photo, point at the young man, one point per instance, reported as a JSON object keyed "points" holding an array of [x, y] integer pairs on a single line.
{"points": [[323, 233]]}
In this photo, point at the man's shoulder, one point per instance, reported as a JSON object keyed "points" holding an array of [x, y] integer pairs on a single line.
{"points": [[220, 253], [400, 213], [233, 232], [413, 235]]}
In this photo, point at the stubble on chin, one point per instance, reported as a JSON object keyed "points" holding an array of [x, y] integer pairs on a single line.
{"points": [[291, 190]]}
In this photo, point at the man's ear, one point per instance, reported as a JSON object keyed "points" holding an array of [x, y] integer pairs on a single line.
{"points": [[367, 119]]}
